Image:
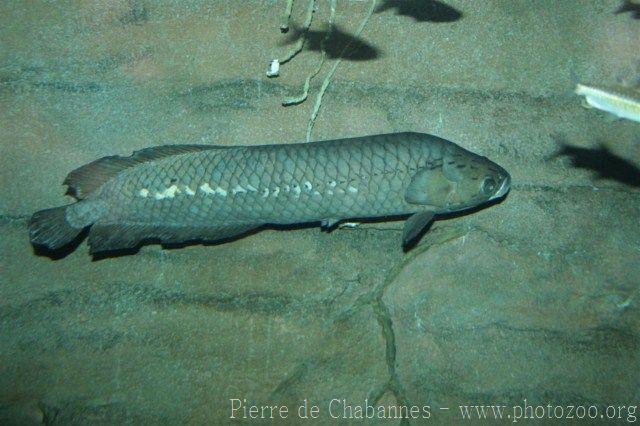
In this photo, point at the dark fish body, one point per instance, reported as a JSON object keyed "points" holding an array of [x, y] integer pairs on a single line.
{"points": [[178, 193]]}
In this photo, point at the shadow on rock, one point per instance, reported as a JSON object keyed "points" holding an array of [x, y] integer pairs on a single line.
{"points": [[422, 10], [628, 6], [137, 14], [62, 252], [338, 39], [605, 163]]}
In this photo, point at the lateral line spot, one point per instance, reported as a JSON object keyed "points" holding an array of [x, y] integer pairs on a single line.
{"points": [[206, 188], [169, 192]]}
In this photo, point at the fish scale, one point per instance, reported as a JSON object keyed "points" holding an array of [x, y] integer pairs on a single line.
{"points": [[292, 166], [177, 193]]}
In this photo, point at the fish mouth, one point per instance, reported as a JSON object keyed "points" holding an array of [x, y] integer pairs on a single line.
{"points": [[504, 188]]}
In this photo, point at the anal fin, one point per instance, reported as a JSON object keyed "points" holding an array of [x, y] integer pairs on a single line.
{"points": [[108, 237]]}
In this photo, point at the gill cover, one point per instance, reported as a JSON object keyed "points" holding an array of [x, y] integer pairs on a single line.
{"points": [[429, 188]]}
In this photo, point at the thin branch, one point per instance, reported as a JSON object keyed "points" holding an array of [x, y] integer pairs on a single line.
{"points": [[284, 26], [327, 80], [305, 91], [305, 27]]}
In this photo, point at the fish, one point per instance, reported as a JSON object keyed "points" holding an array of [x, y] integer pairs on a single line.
{"points": [[620, 101], [177, 193]]}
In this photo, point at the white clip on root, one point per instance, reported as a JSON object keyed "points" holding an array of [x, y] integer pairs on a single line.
{"points": [[274, 68]]}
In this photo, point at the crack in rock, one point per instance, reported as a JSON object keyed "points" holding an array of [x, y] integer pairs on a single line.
{"points": [[386, 324], [374, 298], [7, 219], [436, 237]]}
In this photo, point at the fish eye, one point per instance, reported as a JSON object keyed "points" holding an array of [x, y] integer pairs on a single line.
{"points": [[488, 186]]}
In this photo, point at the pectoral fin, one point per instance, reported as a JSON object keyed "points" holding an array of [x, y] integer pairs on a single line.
{"points": [[328, 224], [415, 224]]}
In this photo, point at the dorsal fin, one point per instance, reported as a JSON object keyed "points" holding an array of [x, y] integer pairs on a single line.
{"points": [[86, 179]]}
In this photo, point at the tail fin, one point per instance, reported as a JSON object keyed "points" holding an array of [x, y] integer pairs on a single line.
{"points": [[50, 228]]}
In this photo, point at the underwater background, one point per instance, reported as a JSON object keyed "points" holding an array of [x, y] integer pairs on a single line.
{"points": [[534, 301]]}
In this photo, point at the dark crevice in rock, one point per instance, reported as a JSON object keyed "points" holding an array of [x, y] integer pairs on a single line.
{"points": [[588, 339], [386, 324], [529, 187], [433, 238], [7, 219], [128, 296], [289, 382], [251, 302], [383, 315]]}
